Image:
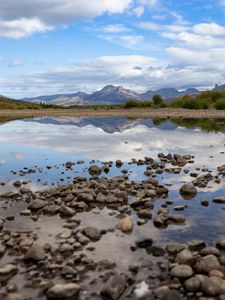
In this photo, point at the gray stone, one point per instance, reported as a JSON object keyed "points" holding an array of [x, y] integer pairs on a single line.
{"points": [[114, 288], [36, 204], [92, 233], [182, 271], [62, 291], [207, 263], [192, 284], [188, 190], [8, 269], [36, 252]]}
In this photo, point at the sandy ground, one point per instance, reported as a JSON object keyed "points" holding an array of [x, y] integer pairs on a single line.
{"points": [[136, 113]]}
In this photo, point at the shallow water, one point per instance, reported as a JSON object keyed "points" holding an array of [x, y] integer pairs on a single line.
{"points": [[41, 142]]}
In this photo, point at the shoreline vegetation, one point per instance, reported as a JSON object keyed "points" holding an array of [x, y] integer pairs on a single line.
{"points": [[210, 104]]}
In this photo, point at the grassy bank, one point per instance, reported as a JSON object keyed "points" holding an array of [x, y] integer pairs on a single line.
{"points": [[203, 100]]}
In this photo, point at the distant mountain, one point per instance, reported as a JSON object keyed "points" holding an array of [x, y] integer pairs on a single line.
{"points": [[113, 95], [108, 95], [219, 88]]}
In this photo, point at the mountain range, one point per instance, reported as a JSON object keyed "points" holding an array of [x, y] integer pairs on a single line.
{"points": [[112, 95]]}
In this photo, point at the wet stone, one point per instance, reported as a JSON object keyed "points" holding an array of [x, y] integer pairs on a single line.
{"points": [[92, 233], [114, 288], [63, 291]]}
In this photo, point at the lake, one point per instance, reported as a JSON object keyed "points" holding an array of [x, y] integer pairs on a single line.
{"points": [[36, 150]]}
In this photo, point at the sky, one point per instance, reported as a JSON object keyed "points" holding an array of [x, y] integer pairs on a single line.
{"points": [[65, 46]]}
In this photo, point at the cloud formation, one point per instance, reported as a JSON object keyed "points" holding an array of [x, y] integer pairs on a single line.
{"points": [[22, 18]]}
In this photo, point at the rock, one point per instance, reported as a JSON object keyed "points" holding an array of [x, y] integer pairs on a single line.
{"points": [[17, 184], [177, 219], [8, 269], [144, 243], [220, 244], [188, 191], [179, 207], [208, 263], [185, 257], [94, 170], [213, 286], [196, 245], [92, 233], [114, 288], [175, 248], [156, 250], [172, 295], [182, 271], [66, 234], [36, 204], [161, 291], [192, 284], [210, 250], [67, 211], [62, 291], [25, 190], [125, 225], [216, 273], [36, 252], [219, 200], [144, 214], [15, 296], [204, 202], [2, 249]]}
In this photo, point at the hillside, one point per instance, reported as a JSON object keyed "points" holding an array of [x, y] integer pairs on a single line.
{"points": [[7, 103]]}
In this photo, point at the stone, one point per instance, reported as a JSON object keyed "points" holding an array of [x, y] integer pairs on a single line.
{"points": [[66, 234], [182, 271], [180, 219], [17, 183], [161, 291], [62, 291], [8, 269], [92, 233], [220, 244], [208, 263], [216, 273], [35, 252], [36, 204], [185, 257], [192, 284], [213, 286], [125, 224], [172, 295], [175, 248], [196, 245], [188, 190], [219, 200], [144, 214], [15, 296], [142, 290], [204, 202], [94, 170], [114, 288], [144, 243], [210, 250]]}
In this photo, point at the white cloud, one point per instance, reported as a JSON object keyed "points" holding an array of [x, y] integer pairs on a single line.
{"points": [[211, 29], [115, 28], [22, 27], [148, 26], [22, 18], [16, 63], [1, 58]]}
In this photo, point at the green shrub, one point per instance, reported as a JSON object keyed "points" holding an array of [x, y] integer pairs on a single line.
{"points": [[220, 104], [157, 100]]}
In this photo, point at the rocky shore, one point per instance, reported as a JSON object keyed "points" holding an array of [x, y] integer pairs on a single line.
{"points": [[65, 265]]}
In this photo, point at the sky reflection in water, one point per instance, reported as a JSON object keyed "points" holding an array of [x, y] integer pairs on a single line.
{"points": [[53, 141]]}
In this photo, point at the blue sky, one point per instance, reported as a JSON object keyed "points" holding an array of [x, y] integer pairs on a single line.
{"points": [[63, 46]]}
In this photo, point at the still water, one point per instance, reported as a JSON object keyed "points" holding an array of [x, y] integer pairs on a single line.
{"points": [[35, 151]]}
